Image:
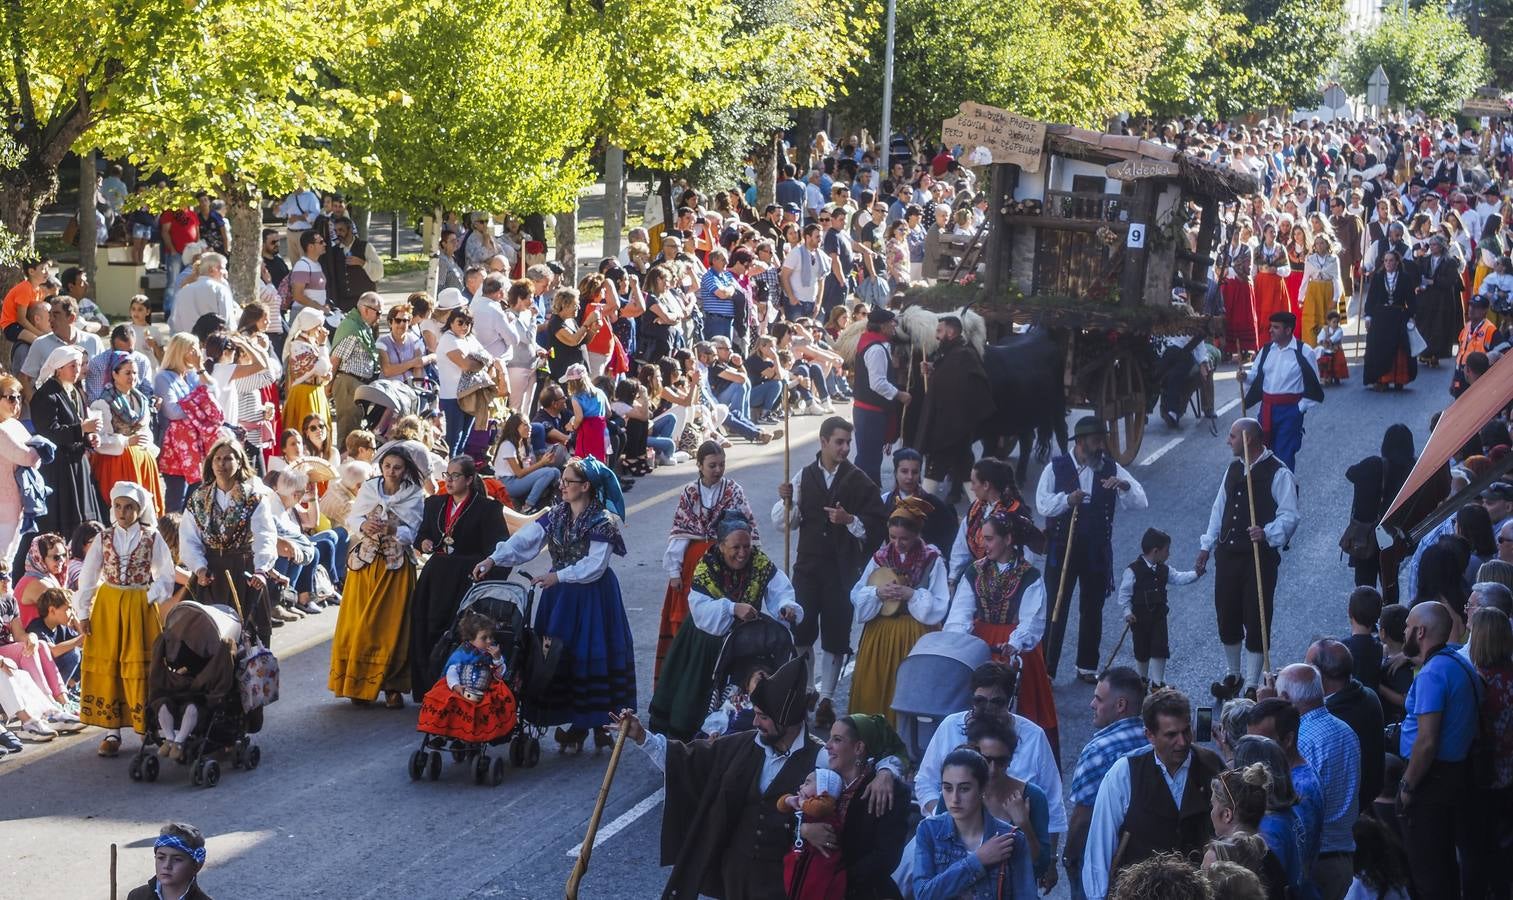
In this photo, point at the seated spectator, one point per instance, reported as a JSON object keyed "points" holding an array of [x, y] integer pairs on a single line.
{"points": [[56, 630], [529, 478]]}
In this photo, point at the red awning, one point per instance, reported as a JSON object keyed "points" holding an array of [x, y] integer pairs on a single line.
{"points": [[1428, 485]]}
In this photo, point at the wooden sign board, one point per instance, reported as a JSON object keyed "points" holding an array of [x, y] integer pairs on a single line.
{"points": [[1484, 106], [1136, 169], [1009, 138]]}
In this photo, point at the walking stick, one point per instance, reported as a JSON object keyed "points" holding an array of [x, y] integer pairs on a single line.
{"points": [[1066, 562], [1255, 552], [787, 479], [580, 868], [903, 417], [1117, 647], [112, 872]]}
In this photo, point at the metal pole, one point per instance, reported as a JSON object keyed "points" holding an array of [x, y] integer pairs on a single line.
{"points": [[885, 158]]}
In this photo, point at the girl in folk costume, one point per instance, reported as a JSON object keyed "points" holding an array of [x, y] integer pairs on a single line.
{"points": [[1322, 288], [1331, 343], [733, 581], [907, 598], [1234, 264], [581, 609], [470, 701], [58, 414], [1002, 600], [126, 451], [127, 571], [993, 488], [701, 506], [370, 650], [229, 538], [307, 365], [1297, 264], [1270, 288]]}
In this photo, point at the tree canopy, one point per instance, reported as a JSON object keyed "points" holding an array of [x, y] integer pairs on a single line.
{"points": [[1432, 61]]}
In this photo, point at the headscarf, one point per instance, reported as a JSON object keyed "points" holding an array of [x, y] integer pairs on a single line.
{"points": [[911, 509], [35, 565], [174, 842], [732, 521], [59, 358], [307, 319], [881, 740], [606, 486], [137, 494]]}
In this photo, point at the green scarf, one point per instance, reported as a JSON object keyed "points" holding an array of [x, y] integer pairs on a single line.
{"points": [[881, 740], [352, 325]]}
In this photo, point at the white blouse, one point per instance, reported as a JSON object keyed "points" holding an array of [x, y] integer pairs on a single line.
{"points": [[716, 616], [1031, 612], [125, 541], [525, 545], [927, 605], [264, 533], [1324, 268], [112, 442]]}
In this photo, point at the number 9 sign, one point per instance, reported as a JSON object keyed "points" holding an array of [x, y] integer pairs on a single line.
{"points": [[1136, 237]]}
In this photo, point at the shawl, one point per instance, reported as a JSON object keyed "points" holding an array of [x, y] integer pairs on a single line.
{"points": [[913, 566], [567, 537], [218, 528], [1000, 590], [406, 504], [696, 522], [352, 325], [978, 513], [126, 409], [713, 578]]}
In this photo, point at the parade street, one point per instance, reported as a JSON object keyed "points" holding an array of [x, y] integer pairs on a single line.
{"points": [[331, 811]]}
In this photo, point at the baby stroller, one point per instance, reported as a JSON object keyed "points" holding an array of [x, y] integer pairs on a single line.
{"points": [[761, 644], [386, 401], [195, 661], [509, 605], [935, 680]]}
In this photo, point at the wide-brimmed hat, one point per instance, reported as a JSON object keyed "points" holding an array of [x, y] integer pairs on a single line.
{"points": [[575, 372], [1089, 426], [449, 298]]}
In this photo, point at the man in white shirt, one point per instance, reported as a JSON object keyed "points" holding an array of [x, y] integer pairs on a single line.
{"points": [[1286, 386], [489, 325], [63, 317], [300, 209], [1232, 533], [803, 269], [210, 293], [877, 401]]}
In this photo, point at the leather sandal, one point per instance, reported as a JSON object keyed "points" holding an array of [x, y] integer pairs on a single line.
{"points": [[110, 746], [394, 700]]}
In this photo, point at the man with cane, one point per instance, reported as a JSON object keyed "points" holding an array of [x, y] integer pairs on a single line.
{"points": [[1078, 494], [1254, 516]]}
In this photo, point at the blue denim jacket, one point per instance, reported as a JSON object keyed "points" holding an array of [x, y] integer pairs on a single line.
{"points": [[944, 869]]}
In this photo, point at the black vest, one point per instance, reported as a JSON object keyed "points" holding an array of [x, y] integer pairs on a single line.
{"points": [[1237, 507], [763, 832], [831, 545], [1312, 389], [1150, 586], [357, 280], [1095, 521], [1154, 824]]}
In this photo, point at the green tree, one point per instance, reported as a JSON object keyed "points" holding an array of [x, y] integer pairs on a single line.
{"points": [[1432, 61], [1281, 56], [1195, 36]]}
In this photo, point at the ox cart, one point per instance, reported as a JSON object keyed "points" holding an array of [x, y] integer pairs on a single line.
{"points": [[1088, 238]]}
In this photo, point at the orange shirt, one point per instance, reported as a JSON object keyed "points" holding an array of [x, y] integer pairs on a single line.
{"points": [[17, 299]]}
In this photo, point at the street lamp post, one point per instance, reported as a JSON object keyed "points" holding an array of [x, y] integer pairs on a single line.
{"points": [[886, 160]]}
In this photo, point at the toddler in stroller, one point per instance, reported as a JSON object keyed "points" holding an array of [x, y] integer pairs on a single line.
{"points": [[471, 704]]}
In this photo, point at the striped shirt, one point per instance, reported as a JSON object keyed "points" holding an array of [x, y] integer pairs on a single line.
{"points": [[713, 281], [1334, 751]]}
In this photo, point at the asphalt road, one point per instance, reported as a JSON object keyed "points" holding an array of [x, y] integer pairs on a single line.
{"points": [[332, 813]]}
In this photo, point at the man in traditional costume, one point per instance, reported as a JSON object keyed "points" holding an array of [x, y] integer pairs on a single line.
{"points": [[958, 400], [1090, 482], [1286, 385], [841, 519], [878, 401]]}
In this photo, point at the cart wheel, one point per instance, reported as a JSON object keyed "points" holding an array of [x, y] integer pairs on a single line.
{"points": [[197, 776], [480, 769], [135, 770], [254, 757], [150, 768], [434, 770], [1121, 407], [496, 774], [212, 773], [532, 753], [417, 764]]}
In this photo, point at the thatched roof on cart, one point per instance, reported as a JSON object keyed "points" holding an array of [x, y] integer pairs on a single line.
{"points": [[1199, 175]]}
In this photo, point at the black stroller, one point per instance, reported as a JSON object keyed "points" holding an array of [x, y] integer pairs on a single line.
{"points": [[528, 669], [386, 401], [195, 660], [762, 644]]}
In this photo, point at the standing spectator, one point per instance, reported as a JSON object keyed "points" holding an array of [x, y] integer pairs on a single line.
{"points": [[123, 339], [522, 353], [403, 355], [717, 295], [76, 285], [968, 852], [1277, 720], [803, 271], [448, 272], [179, 229], [208, 295], [1441, 722], [837, 246], [565, 336], [1116, 715], [16, 452], [354, 359], [489, 325], [452, 352], [63, 317], [363, 268], [1335, 754], [1365, 610], [1357, 706], [213, 228], [307, 280], [300, 210], [1492, 654]]}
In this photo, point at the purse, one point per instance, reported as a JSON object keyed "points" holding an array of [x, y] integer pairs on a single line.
{"points": [[256, 674], [1359, 540]]}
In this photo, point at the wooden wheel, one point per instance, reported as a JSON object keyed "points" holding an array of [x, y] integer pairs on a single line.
{"points": [[1121, 406]]}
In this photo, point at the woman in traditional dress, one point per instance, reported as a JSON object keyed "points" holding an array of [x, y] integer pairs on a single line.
{"points": [[1234, 264], [896, 611], [1322, 288], [126, 451], [307, 364], [700, 508], [458, 528], [1270, 288], [1488, 248], [370, 651], [993, 487], [58, 414], [733, 581], [194, 419], [1440, 316], [229, 538], [1390, 306], [580, 609], [127, 572], [1297, 261], [1002, 600]]}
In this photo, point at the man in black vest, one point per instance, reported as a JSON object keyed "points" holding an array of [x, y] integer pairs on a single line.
{"points": [[878, 401], [1286, 386], [1230, 537], [361, 265], [722, 831], [841, 521], [1154, 800], [1089, 481]]}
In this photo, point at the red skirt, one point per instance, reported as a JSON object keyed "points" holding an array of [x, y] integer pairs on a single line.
{"points": [[593, 438], [1295, 291], [1332, 365], [1036, 702], [448, 715], [1239, 317], [675, 604], [1270, 296], [1400, 373], [270, 394], [134, 464]]}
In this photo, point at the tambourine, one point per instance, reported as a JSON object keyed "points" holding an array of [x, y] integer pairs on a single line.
{"points": [[885, 576]]}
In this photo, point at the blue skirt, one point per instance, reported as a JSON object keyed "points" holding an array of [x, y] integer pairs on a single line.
{"points": [[596, 674]]}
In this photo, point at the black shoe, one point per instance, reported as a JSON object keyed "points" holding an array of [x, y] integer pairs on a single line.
{"points": [[1227, 688], [9, 743], [1169, 417]]}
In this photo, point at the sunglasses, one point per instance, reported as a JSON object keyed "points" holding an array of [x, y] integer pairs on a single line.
{"points": [[990, 701], [400, 320]]}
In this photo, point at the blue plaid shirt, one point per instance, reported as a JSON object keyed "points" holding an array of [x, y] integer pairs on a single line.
{"points": [[1335, 753], [1102, 750]]}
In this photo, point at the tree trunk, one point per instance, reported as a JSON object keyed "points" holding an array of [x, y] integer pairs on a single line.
{"points": [[765, 162], [566, 239], [245, 217], [614, 200], [23, 193], [86, 215]]}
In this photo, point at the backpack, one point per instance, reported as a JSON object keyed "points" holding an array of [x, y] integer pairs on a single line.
{"points": [[286, 293]]}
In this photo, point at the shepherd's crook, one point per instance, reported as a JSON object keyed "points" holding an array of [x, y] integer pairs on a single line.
{"points": [[581, 866], [1117, 647], [787, 479], [1066, 562], [1255, 549]]}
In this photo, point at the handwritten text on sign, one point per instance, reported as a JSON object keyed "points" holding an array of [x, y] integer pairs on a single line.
{"points": [[1010, 138]]}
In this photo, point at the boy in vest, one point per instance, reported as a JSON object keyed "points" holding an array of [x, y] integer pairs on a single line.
{"points": [[1142, 597]]}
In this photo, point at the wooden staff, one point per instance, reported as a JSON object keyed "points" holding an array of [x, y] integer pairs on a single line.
{"points": [[1255, 552], [1066, 562], [903, 416], [787, 479], [580, 868], [112, 872], [1117, 647]]}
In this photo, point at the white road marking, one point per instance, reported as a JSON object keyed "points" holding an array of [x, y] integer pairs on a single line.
{"points": [[1161, 451], [623, 821], [1227, 407]]}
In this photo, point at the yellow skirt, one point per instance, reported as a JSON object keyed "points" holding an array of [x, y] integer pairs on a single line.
{"points": [[307, 400], [370, 651], [122, 629], [1318, 300], [1482, 271], [884, 644]]}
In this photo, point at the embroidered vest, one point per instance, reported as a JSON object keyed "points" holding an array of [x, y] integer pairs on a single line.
{"points": [[133, 570], [999, 593], [226, 530]]}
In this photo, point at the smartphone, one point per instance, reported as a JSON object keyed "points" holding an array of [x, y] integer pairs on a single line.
{"points": [[1205, 729]]}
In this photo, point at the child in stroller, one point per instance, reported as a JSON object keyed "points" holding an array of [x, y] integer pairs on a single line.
{"points": [[471, 704]]}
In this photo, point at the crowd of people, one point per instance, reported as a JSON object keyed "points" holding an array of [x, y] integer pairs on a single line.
{"points": [[317, 449]]}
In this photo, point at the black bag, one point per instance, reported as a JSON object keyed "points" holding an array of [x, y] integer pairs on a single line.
{"points": [[1359, 540], [1483, 753]]}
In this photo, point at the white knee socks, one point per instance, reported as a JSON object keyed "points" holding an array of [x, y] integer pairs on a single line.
{"points": [[1158, 670], [165, 723], [1252, 670], [1232, 659], [186, 727], [832, 674], [1143, 667]]}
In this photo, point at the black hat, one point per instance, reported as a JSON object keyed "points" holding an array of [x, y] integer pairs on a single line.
{"points": [[1283, 317], [555, 266], [782, 696], [1481, 300], [1089, 426], [880, 315], [1498, 490], [792, 207]]}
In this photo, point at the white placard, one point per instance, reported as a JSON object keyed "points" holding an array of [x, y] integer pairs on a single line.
{"points": [[1136, 238]]}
